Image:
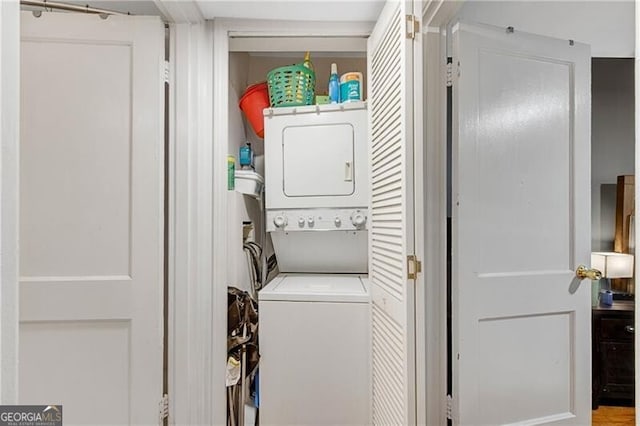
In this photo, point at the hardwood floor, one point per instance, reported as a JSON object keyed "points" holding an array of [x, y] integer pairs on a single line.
{"points": [[613, 416]]}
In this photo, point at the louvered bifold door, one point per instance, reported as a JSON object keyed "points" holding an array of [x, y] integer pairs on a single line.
{"points": [[391, 232]]}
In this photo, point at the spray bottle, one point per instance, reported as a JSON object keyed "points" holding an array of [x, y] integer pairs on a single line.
{"points": [[246, 157], [334, 85]]}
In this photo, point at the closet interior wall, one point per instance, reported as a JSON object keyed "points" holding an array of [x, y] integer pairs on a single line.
{"points": [[239, 207]]}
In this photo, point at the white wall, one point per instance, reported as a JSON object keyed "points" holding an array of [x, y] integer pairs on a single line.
{"points": [[608, 26], [9, 142], [612, 142], [239, 207]]}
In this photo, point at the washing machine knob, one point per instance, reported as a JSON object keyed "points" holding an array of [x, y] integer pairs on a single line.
{"points": [[280, 221], [311, 221], [358, 219], [337, 221], [301, 222]]}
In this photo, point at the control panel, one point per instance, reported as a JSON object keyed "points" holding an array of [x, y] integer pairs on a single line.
{"points": [[289, 220]]}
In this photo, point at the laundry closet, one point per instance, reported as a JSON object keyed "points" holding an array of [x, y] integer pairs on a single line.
{"points": [[337, 318], [333, 315], [305, 201]]}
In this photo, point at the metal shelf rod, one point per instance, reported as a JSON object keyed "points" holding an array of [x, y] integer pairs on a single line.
{"points": [[70, 7]]}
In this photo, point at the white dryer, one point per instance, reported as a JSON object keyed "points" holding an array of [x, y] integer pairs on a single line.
{"points": [[316, 156], [314, 350], [317, 187]]}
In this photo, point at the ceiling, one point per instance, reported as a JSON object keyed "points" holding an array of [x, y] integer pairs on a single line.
{"points": [[608, 26], [299, 10]]}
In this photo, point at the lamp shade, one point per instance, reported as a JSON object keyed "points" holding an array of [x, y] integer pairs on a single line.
{"points": [[613, 265]]}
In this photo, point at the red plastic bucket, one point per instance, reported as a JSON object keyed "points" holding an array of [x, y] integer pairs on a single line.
{"points": [[254, 100]]}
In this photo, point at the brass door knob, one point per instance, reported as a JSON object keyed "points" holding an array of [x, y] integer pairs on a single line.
{"points": [[585, 273]]}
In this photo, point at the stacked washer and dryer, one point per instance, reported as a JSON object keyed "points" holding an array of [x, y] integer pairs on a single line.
{"points": [[314, 316]]}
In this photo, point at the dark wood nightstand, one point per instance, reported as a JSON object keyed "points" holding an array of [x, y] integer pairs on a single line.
{"points": [[613, 353]]}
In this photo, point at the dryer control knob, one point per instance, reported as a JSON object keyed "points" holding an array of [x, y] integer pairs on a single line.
{"points": [[338, 222], [280, 221], [301, 222], [358, 219], [311, 221]]}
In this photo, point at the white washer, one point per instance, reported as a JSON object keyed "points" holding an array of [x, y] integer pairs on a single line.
{"points": [[314, 346], [319, 240]]}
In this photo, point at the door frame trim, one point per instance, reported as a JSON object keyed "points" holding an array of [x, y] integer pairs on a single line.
{"points": [[191, 322], [637, 191], [9, 197], [431, 216]]}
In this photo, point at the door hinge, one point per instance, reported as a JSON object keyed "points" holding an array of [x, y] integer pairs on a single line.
{"points": [[166, 73], [414, 267], [413, 26], [163, 408], [449, 74], [449, 407]]}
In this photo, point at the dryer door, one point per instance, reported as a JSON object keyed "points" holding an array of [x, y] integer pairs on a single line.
{"points": [[321, 165]]}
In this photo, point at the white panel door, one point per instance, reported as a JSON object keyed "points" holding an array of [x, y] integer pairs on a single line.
{"points": [[390, 67], [91, 216], [521, 227]]}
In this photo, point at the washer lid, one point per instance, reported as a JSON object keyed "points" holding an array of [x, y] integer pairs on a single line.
{"points": [[316, 288]]}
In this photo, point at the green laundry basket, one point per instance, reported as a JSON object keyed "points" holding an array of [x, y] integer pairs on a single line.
{"points": [[293, 85]]}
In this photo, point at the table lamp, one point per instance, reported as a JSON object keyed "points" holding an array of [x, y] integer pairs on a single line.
{"points": [[612, 265]]}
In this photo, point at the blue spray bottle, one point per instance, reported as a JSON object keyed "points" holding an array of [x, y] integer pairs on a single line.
{"points": [[334, 85], [246, 157]]}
